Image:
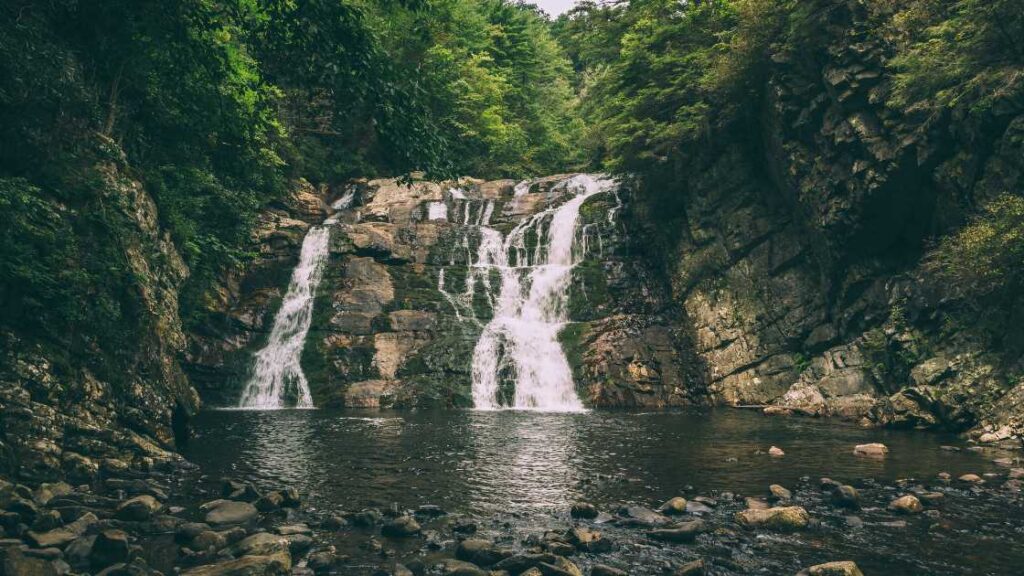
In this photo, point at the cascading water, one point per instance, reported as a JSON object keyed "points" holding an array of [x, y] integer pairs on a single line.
{"points": [[520, 342], [277, 375]]}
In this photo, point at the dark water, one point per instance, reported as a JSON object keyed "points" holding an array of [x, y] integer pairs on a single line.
{"points": [[531, 466]]}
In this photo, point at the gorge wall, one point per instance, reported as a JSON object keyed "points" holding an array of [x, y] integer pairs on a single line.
{"points": [[800, 256]]}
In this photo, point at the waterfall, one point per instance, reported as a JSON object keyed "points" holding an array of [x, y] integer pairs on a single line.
{"points": [[277, 375], [520, 342]]}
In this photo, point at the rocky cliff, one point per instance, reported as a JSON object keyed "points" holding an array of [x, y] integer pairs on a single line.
{"points": [[801, 257]]}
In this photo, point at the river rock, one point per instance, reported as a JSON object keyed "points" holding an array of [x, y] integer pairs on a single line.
{"points": [[63, 536], [322, 561], [269, 502], [279, 564], [77, 553], [518, 563], [971, 479], [479, 551], [189, 530], [14, 563], [208, 540], [845, 496], [602, 570], [588, 540], [776, 452], [289, 529], [874, 450], [228, 512], [640, 516], [450, 567], [46, 521], [695, 568], [299, 543], [139, 508], [842, 568], [260, 544], [908, 504], [583, 510], [779, 492], [109, 547], [560, 567], [401, 527], [782, 519], [674, 506], [682, 532], [756, 503]]}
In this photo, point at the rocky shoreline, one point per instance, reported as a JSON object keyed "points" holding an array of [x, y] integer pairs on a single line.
{"points": [[170, 519]]}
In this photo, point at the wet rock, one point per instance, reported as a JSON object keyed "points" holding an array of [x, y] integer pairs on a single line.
{"points": [[560, 567], [139, 508], [451, 567], [229, 512], [783, 519], [756, 503], [674, 506], [278, 564], [333, 523], [874, 450], [480, 552], [235, 490], [77, 553], [776, 452], [322, 561], [62, 536], [289, 529], [602, 570], [14, 563], [588, 540], [845, 496], [1016, 474], [583, 510], [779, 492], [46, 521], [640, 516], [109, 547], [698, 508], [48, 491], [189, 530], [682, 532], [401, 527], [366, 518], [270, 502], [260, 544], [908, 504], [695, 568], [523, 562], [843, 568], [208, 540], [299, 543], [971, 479]]}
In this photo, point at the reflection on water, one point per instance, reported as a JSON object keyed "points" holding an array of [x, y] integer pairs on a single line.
{"points": [[528, 463]]}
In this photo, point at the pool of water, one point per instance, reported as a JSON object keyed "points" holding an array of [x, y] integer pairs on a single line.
{"points": [[530, 467]]}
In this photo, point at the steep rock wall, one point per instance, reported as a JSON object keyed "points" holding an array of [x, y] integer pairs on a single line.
{"points": [[798, 258]]}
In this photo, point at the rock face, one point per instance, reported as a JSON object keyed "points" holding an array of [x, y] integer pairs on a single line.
{"points": [[799, 264], [398, 314]]}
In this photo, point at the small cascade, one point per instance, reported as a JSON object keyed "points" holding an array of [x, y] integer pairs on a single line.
{"points": [[277, 377], [519, 345]]}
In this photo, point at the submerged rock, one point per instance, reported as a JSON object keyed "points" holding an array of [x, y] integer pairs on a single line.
{"points": [[401, 527], [682, 532], [845, 496], [783, 519], [908, 504], [583, 510]]}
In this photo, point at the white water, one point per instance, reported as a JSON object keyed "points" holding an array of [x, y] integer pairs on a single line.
{"points": [[277, 375], [521, 340]]}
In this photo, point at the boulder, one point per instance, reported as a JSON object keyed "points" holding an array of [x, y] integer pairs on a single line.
{"points": [[779, 493], [139, 508], [583, 510], [480, 552], [682, 532], [401, 527], [695, 568], [640, 516], [229, 512], [845, 496], [674, 506], [260, 544], [908, 504], [843, 568], [874, 450], [279, 564], [602, 570], [14, 563], [109, 547], [782, 519], [63, 536]]}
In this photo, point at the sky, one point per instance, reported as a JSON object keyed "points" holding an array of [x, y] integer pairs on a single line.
{"points": [[554, 7]]}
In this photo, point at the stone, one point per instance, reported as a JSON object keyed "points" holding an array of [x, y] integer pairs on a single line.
{"points": [[845, 496], [782, 519], [583, 510], [602, 570], [139, 508], [451, 567], [48, 491], [401, 527], [189, 530], [480, 552], [971, 479], [260, 544], [289, 529], [908, 504], [270, 502], [674, 506], [14, 563], [779, 493], [322, 562], [299, 543], [995, 436], [46, 521], [522, 562], [1016, 473], [682, 532], [776, 452], [756, 503], [366, 518], [874, 450], [77, 553], [229, 512], [279, 564], [695, 568], [588, 540], [63, 536], [560, 567], [208, 540], [640, 516], [109, 547], [842, 568]]}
